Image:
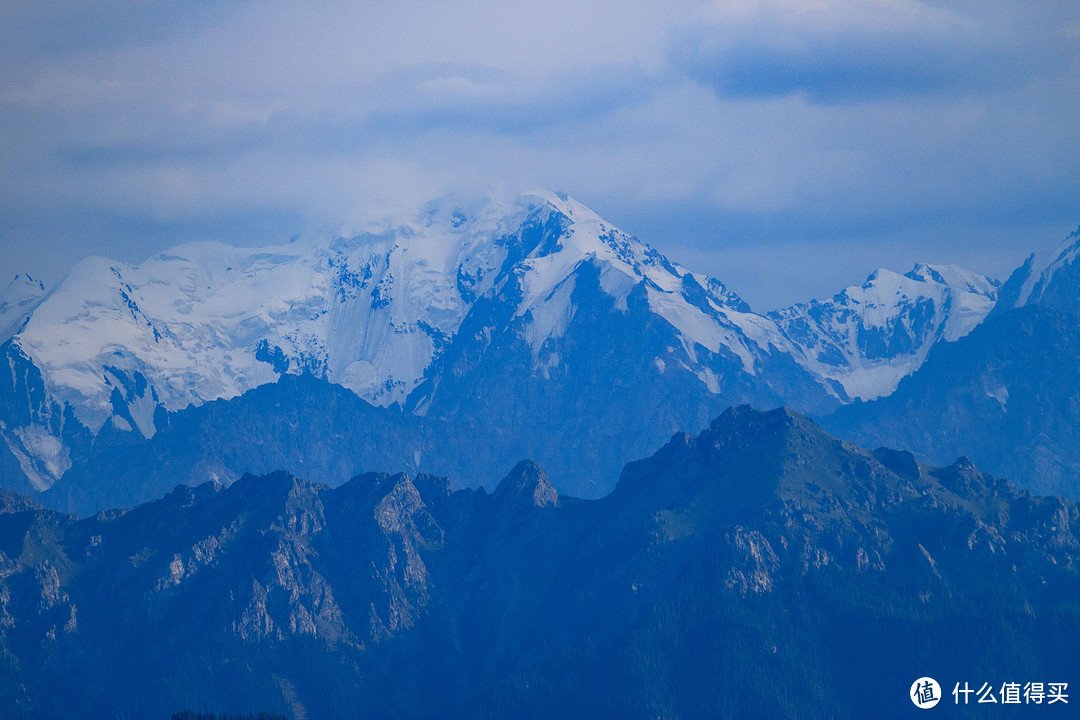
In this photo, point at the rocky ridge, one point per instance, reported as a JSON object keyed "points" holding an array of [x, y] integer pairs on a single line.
{"points": [[762, 549]]}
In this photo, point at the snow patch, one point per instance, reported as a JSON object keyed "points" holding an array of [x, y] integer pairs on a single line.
{"points": [[42, 447], [996, 390], [708, 377], [695, 327], [551, 318]]}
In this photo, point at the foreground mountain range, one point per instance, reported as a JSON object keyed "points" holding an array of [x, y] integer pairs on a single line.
{"points": [[477, 335], [760, 569]]}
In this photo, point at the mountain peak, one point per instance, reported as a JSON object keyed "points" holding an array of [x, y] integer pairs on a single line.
{"points": [[527, 484], [1049, 277], [955, 277], [870, 336]]}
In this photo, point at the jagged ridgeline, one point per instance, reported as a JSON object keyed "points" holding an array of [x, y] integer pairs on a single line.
{"points": [[760, 569], [1006, 394], [479, 334]]}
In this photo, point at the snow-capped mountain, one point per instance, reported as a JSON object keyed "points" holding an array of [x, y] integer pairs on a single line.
{"points": [[1050, 278], [592, 348], [534, 298], [869, 337], [205, 321], [1004, 395], [534, 316]]}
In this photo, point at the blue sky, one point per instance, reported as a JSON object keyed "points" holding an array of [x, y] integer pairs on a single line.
{"points": [[787, 148]]}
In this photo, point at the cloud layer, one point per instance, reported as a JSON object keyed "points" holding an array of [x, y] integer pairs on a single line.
{"points": [[837, 133]]}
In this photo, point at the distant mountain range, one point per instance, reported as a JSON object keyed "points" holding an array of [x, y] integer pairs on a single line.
{"points": [[760, 569], [1007, 395], [532, 328]]}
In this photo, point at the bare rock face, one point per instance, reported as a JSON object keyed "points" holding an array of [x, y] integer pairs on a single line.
{"points": [[383, 520], [527, 485], [754, 571]]}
